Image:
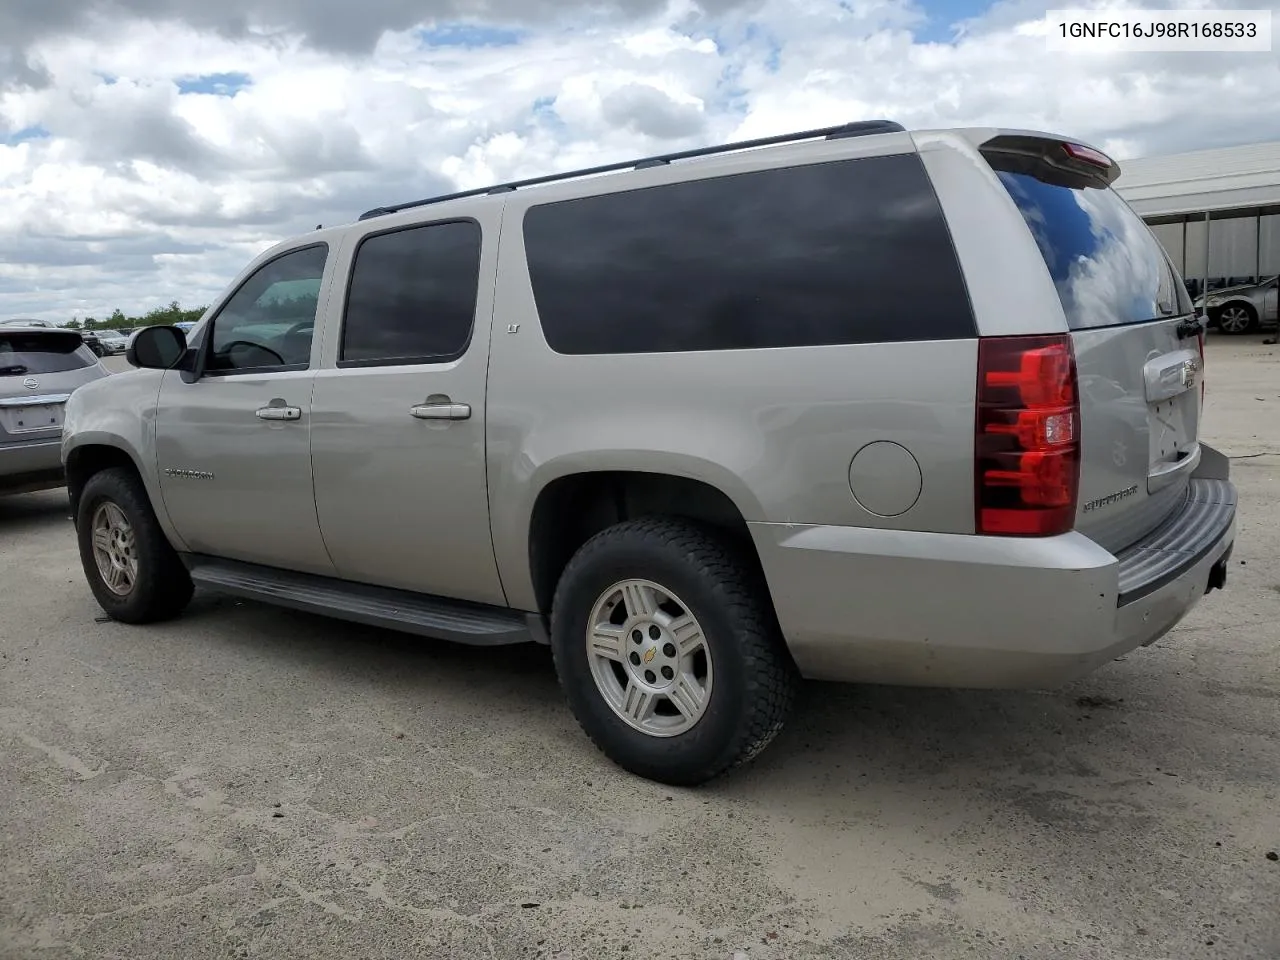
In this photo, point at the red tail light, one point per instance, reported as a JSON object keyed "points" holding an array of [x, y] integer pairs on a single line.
{"points": [[1027, 447]]}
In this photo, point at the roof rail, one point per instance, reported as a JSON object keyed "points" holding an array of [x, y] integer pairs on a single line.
{"points": [[860, 128]]}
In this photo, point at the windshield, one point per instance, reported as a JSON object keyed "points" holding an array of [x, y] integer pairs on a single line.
{"points": [[1108, 266]]}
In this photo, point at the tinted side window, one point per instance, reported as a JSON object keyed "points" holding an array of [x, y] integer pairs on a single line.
{"points": [[413, 295], [854, 251], [269, 322]]}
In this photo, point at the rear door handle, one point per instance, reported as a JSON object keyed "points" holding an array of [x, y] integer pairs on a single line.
{"points": [[279, 413], [443, 410]]}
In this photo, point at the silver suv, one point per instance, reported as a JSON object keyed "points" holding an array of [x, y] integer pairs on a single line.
{"points": [[40, 367], [856, 404]]}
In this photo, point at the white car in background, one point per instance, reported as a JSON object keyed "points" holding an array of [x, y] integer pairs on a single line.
{"points": [[40, 367], [114, 343], [1244, 307]]}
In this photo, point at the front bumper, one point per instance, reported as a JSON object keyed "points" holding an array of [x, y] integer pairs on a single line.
{"points": [[928, 609]]}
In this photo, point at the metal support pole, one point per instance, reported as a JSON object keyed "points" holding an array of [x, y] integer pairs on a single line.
{"points": [[1204, 280], [1257, 247]]}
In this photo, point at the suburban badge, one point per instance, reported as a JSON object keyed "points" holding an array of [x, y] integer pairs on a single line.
{"points": [[1107, 501]]}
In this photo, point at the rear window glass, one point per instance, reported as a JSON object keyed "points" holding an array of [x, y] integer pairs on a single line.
{"points": [[413, 295], [26, 354], [851, 251], [1108, 266]]}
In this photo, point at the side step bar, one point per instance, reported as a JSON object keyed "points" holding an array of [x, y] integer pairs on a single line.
{"points": [[460, 622]]}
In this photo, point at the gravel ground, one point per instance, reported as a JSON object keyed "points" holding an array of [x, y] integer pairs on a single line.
{"points": [[248, 782]]}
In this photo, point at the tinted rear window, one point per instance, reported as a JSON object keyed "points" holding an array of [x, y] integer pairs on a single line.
{"points": [[1108, 266], [26, 354], [853, 251], [413, 294]]}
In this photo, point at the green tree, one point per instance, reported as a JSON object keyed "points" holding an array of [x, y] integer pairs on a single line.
{"points": [[167, 315]]}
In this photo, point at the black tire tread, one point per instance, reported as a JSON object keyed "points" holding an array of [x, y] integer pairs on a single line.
{"points": [[771, 675], [164, 587]]}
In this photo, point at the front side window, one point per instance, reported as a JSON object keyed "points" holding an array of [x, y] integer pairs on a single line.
{"points": [[413, 295], [270, 321]]}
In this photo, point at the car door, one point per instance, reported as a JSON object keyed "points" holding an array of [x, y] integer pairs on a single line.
{"points": [[232, 445], [398, 420], [1271, 300]]}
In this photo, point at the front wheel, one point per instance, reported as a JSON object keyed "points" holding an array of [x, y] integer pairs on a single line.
{"points": [[668, 651], [133, 571], [1237, 318]]}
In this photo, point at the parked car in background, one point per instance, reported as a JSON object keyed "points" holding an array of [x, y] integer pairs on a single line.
{"points": [[1244, 307], [675, 422], [113, 342], [89, 338], [40, 367]]}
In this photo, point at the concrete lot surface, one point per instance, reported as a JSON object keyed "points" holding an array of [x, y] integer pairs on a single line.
{"points": [[252, 783]]}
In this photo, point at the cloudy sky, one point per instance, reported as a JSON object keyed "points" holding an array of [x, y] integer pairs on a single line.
{"points": [[149, 148]]}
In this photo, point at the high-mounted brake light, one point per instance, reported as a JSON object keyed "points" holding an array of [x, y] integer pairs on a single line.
{"points": [[1027, 443], [1087, 154]]}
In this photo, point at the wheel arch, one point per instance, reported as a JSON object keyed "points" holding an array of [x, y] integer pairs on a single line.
{"points": [[1245, 304], [574, 507], [85, 459], [91, 453]]}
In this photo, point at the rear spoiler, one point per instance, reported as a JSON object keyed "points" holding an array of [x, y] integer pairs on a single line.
{"points": [[1055, 160], [66, 341]]}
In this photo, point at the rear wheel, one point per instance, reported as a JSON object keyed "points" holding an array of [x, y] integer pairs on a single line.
{"points": [[667, 648], [1237, 318], [133, 571]]}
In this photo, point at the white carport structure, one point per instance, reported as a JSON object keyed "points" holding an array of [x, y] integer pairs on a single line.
{"points": [[1217, 212]]}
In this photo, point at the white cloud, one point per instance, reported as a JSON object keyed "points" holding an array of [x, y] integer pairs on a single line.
{"points": [[140, 194]]}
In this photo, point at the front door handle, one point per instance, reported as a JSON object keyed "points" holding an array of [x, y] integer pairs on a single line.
{"points": [[441, 410], [278, 413]]}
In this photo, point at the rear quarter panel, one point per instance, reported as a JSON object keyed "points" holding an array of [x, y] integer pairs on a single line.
{"points": [[1009, 285], [774, 429]]}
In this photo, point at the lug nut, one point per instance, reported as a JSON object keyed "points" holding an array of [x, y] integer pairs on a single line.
{"points": [[667, 673], [637, 636], [669, 650], [654, 633], [649, 677], [635, 658]]}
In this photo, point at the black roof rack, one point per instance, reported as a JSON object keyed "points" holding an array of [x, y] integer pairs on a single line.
{"points": [[861, 128]]}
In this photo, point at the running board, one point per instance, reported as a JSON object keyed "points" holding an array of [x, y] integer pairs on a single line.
{"points": [[427, 616]]}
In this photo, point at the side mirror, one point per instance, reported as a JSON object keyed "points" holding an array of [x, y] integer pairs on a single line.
{"points": [[156, 348]]}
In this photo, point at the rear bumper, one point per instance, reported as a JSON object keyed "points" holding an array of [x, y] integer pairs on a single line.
{"points": [[33, 465], [927, 609]]}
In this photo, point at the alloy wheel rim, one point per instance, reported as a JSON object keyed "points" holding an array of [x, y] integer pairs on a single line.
{"points": [[115, 549], [649, 658], [1233, 320]]}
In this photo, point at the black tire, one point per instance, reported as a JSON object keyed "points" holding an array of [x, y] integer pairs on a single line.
{"points": [[755, 678], [162, 588], [1250, 322]]}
